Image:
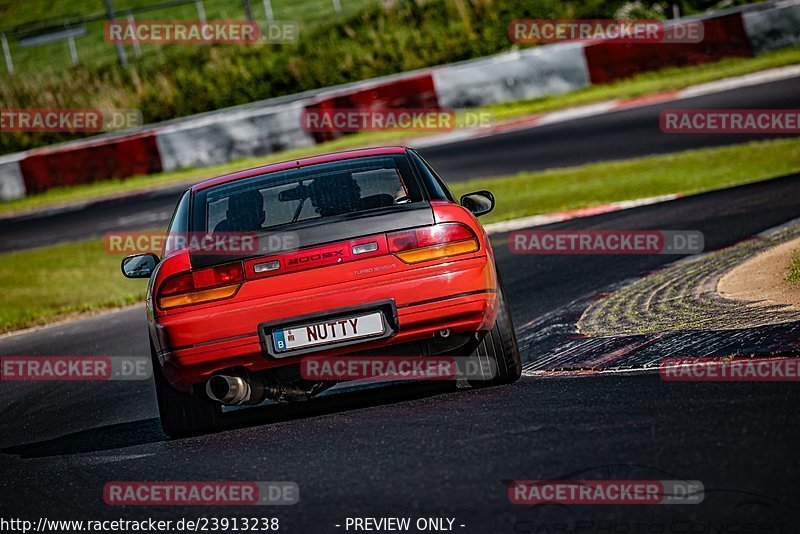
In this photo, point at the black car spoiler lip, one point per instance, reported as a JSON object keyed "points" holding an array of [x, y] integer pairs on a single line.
{"points": [[290, 237]]}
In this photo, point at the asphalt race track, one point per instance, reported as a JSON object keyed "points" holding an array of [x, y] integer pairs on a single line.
{"points": [[622, 134], [429, 451]]}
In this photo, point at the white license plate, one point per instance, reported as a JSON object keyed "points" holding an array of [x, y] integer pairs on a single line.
{"points": [[325, 332]]}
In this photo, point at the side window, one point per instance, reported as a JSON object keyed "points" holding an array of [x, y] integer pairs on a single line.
{"points": [[178, 225], [438, 188]]}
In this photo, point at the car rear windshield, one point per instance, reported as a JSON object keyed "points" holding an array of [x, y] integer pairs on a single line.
{"points": [[334, 189]]}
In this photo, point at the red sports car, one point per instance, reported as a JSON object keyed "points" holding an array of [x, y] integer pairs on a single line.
{"points": [[341, 255]]}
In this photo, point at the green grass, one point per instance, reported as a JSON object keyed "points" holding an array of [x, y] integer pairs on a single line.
{"points": [[42, 285], [46, 284], [643, 84], [794, 269]]}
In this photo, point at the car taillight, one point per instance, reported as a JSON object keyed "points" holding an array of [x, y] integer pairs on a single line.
{"points": [[433, 242], [204, 285]]}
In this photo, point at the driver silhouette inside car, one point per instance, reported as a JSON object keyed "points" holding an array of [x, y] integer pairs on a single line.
{"points": [[245, 213], [335, 195], [340, 194]]}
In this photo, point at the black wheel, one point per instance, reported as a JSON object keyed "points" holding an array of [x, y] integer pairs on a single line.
{"points": [[183, 414], [498, 350]]}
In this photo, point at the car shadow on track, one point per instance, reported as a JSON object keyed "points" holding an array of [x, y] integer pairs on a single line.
{"points": [[102, 438], [148, 431]]}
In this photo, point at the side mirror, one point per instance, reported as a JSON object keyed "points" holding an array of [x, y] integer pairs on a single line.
{"points": [[479, 202], [139, 265]]}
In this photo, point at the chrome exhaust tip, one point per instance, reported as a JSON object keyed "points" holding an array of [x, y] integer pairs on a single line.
{"points": [[228, 390], [232, 390]]}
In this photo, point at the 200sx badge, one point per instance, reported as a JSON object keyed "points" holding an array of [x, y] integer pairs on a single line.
{"points": [[331, 331], [311, 258]]}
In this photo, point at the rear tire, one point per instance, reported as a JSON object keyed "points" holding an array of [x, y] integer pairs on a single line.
{"points": [[498, 349], [183, 413]]}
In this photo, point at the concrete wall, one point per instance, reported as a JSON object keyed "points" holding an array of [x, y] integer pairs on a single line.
{"points": [[11, 183], [531, 73], [770, 29], [219, 138]]}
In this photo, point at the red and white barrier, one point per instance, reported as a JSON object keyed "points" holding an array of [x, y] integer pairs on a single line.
{"points": [[265, 127], [723, 36], [412, 90], [99, 158]]}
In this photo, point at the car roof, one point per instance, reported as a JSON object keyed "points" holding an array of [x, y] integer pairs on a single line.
{"points": [[302, 162]]}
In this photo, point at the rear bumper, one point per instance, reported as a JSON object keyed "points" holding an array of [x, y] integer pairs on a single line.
{"points": [[460, 296]]}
